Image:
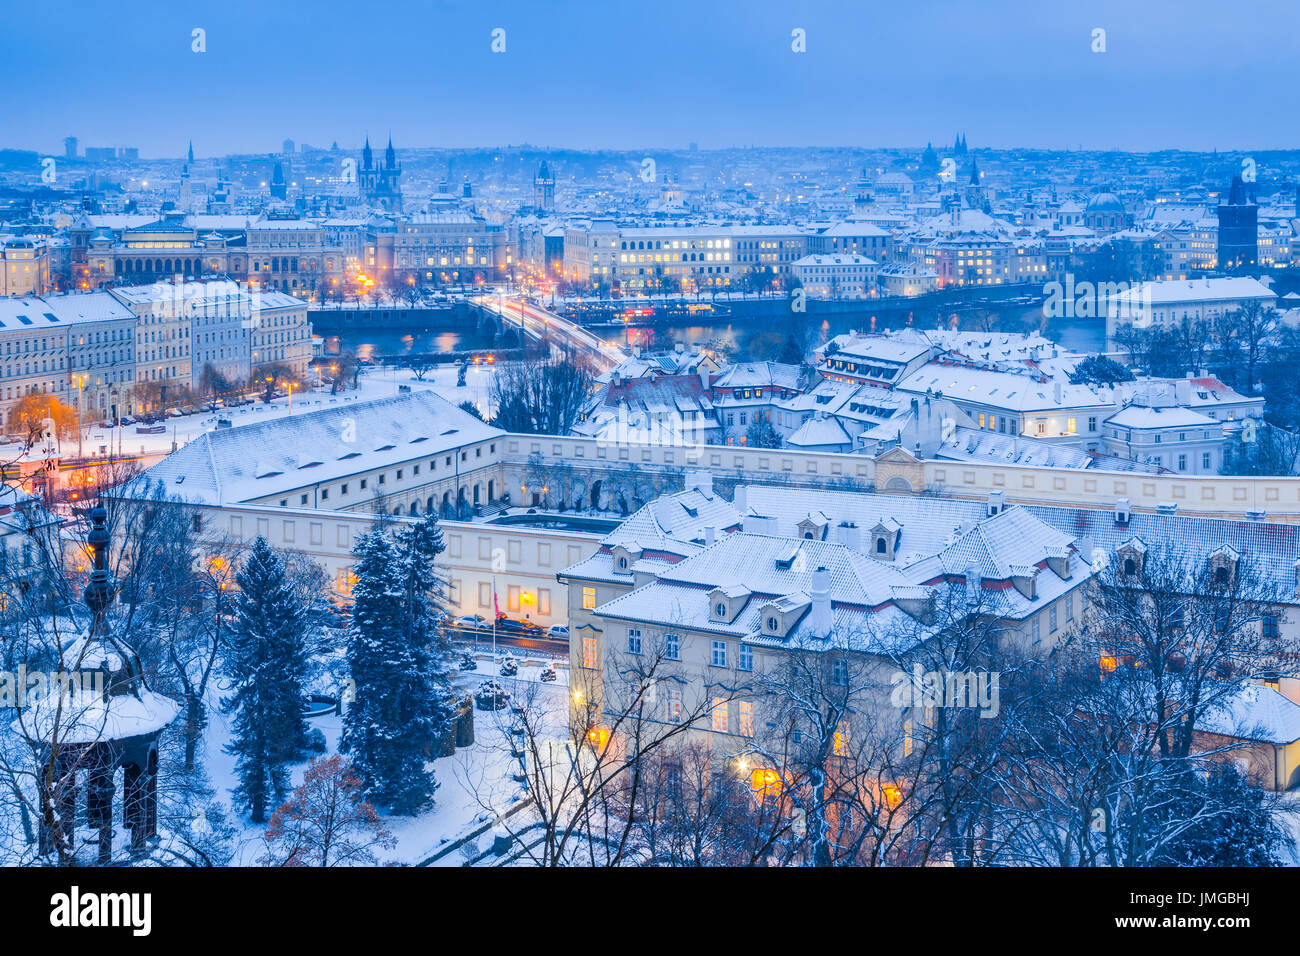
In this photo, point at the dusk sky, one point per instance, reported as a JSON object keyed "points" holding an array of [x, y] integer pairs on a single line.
{"points": [[1177, 74]]}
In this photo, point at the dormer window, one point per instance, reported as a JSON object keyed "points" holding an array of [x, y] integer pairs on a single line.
{"points": [[882, 546], [1223, 566], [1130, 567]]}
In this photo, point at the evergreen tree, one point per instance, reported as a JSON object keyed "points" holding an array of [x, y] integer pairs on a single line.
{"points": [[267, 661], [1222, 821], [399, 665]]}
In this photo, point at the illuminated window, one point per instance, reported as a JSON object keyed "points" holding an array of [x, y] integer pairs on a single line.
{"points": [[842, 739], [1108, 664], [908, 739], [673, 704], [746, 710], [720, 715], [588, 599], [765, 781], [589, 652], [346, 579]]}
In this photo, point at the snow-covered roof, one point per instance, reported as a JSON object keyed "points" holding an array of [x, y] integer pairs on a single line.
{"points": [[258, 461]]}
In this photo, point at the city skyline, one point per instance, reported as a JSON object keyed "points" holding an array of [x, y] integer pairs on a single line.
{"points": [[637, 79]]}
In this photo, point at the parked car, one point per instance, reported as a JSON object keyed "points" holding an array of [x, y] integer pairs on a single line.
{"points": [[473, 622], [508, 625], [557, 632]]}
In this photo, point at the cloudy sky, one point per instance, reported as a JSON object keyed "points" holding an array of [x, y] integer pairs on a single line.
{"points": [[632, 74]]}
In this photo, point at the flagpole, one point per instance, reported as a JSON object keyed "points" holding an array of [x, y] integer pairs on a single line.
{"points": [[495, 614]]}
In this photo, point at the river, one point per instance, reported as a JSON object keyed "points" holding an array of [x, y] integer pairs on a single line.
{"points": [[743, 339]]}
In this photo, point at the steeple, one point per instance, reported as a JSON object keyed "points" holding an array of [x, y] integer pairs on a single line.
{"points": [[366, 155], [974, 173], [191, 152], [390, 157]]}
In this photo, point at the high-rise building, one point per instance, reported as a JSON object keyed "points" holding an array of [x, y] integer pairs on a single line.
{"points": [[279, 188], [70, 147]]}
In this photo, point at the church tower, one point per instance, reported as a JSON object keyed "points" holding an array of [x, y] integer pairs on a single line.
{"points": [[976, 194], [380, 186], [544, 189]]}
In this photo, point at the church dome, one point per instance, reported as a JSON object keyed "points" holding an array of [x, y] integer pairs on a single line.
{"points": [[1105, 202]]}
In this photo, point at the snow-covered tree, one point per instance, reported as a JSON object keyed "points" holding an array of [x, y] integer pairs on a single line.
{"points": [[400, 666], [267, 662]]}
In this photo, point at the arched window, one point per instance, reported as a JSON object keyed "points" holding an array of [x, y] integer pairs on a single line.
{"points": [[880, 546]]}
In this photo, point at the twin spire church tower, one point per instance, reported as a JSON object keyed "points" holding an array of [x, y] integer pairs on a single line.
{"points": [[379, 184]]}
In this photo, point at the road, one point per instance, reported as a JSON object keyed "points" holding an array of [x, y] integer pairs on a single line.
{"points": [[542, 323]]}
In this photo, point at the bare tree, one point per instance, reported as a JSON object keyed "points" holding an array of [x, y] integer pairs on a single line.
{"points": [[541, 397]]}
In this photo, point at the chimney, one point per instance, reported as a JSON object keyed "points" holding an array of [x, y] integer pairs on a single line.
{"points": [[1056, 391], [820, 621], [708, 535], [850, 536], [740, 498], [701, 481], [1123, 511], [996, 504]]}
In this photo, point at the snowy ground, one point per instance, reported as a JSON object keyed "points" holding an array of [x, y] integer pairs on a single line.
{"points": [[475, 784]]}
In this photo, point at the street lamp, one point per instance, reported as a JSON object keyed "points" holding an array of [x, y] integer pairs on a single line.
{"points": [[81, 385]]}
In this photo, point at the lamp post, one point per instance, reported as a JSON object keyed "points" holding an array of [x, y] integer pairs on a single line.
{"points": [[81, 387]]}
